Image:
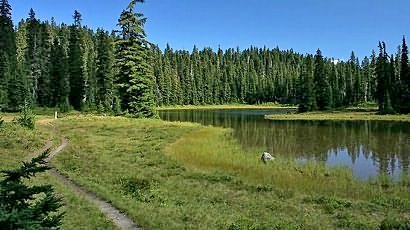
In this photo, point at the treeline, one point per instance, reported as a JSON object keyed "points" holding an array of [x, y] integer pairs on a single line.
{"points": [[257, 76], [74, 67], [50, 65]]}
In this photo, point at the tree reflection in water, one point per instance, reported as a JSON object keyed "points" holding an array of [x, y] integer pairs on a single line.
{"points": [[368, 147]]}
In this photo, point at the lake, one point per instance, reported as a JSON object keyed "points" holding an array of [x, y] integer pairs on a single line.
{"points": [[367, 147]]}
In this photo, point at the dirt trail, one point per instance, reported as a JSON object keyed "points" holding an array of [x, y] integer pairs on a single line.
{"points": [[46, 147], [118, 218]]}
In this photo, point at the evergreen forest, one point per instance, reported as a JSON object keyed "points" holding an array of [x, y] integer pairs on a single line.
{"points": [[73, 67]]}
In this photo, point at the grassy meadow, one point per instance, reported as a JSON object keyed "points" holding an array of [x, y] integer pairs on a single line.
{"points": [[17, 144], [186, 176]]}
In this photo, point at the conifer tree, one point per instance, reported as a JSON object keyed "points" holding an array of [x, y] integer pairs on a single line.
{"points": [[76, 68], [28, 207], [306, 88], [322, 90], [60, 72], [8, 60], [104, 70], [405, 79], [21, 55], [384, 76], [134, 64], [44, 94], [33, 54]]}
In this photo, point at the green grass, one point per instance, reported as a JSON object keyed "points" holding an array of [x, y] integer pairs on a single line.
{"points": [[339, 115], [227, 106], [185, 176], [17, 144]]}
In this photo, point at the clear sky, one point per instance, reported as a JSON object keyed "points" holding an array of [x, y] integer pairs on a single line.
{"points": [[335, 26]]}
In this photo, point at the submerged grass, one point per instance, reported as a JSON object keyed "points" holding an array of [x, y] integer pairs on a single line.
{"points": [[214, 148], [339, 115], [185, 176]]}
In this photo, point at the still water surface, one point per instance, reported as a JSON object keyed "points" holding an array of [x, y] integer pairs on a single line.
{"points": [[367, 147]]}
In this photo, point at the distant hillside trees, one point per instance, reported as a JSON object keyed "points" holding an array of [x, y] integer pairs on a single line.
{"points": [[75, 67]]}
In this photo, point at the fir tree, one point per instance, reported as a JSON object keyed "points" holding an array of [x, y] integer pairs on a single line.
{"points": [[60, 73], [104, 70], [322, 90], [33, 54], [306, 88], [9, 99], [404, 79], [44, 94], [76, 68], [134, 65], [384, 76], [28, 207]]}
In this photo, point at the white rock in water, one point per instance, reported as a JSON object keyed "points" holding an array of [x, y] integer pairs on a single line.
{"points": [[267, 157]]}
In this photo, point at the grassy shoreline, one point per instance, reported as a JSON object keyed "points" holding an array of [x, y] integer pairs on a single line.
{"points": [[224, 107], [174, 175], [183, 175], [339, 115]]}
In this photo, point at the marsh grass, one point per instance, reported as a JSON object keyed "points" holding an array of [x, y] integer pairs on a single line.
{"points": [[185, 176], [214, 149], [340, 115]]}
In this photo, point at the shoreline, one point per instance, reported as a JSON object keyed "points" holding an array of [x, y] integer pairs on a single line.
{"points": [[225, 107], [339, 116]]}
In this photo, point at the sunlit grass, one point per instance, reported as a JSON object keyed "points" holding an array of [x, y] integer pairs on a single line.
{"points": [[214, 149], [185, 176], [339, 115], [17, 144]]}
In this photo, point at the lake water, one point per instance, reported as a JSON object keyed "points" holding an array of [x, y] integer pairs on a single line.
{"points": [[367, 147]]}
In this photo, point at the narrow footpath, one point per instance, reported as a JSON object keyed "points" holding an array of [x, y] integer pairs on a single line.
{"points": [[112, 213]]}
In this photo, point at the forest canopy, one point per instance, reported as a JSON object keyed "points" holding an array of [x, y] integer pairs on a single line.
{"points": [[75, 67]]}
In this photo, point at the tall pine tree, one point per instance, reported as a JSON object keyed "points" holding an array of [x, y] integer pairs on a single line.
{"points": [[9, 99], [405, 79], [322, 89], [76, 69], [104, 70], [134, 64]]}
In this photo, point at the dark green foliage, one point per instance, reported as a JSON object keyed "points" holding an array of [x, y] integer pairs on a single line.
{"points": [[26, 118], [9, 99], [322, 88], [135, 74], [62, 66], [141, 189], [307, 101], [104, 71], [395, 224], [385, 74], [59, 72], [25, 207], [1, 122], [76, 68], [405, 79], [330, 204]]}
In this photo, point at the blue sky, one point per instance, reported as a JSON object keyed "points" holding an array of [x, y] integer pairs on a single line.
{"points": [[335, 26]]}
